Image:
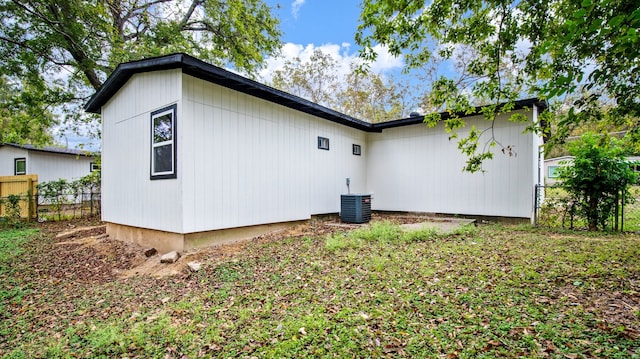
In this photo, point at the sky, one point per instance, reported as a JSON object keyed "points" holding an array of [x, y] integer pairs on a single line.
{"points": [[329, 25], [317, 21]]}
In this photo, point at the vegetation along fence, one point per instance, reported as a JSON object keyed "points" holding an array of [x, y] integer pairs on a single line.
{"points": [[17, 197], [61, 199], [555, 207], [21, 197]]}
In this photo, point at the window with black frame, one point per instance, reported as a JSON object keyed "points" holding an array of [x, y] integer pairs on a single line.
{"points": [[163, 143], [19, 166]]}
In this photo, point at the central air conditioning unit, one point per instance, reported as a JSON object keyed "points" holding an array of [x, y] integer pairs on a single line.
{"points": [[355, 208]]}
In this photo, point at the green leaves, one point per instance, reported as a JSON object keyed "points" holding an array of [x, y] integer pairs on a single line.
{"points": [[521, 48], [596, 177], [315, 80], [24, 115], [70, 47], [363, 94]]}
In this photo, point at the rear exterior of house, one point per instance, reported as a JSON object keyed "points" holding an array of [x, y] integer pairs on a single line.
{"points": [[193, 155], [49, 163], [415, 168]]}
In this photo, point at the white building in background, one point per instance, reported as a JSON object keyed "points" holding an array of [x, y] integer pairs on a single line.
{"points": [[193, 154], [49, 163], [551, 166]]}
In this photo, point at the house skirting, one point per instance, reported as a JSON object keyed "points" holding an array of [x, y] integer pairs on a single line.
{"points": [[165, 242]]}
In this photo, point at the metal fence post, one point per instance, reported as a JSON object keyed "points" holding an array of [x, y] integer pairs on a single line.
{"points": [[624, 197], [535, 205], [617, 211]]}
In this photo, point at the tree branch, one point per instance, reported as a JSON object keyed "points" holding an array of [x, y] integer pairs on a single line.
{"points": [[189, 13], [25, 45]]}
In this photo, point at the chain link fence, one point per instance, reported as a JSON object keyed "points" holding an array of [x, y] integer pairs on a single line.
{"points": [[60, 206], [65, 205], [555, 208]]}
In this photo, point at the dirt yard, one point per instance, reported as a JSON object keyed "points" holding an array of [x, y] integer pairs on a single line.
{"points": [[81, 250]]}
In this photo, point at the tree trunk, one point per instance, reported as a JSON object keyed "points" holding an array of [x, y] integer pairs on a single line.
{"points": [[592, 215]]}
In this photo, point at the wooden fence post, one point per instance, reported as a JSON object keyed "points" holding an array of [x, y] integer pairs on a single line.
{"points": [[29, 199]]}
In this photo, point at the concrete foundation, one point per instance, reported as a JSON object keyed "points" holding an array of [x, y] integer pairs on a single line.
{"points": [[166, 242]]}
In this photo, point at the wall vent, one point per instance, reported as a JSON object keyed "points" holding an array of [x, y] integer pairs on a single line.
{"points": [[355, 208]]}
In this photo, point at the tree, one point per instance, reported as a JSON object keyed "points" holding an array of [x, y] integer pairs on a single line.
{"points": [[596, 177], [365, 96], [368, 96], [586, 48], [69, 47], [24, 117], [315, 79]]}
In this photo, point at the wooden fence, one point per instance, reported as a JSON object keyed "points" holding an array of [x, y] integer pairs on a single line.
{"points": [[24, 186]]}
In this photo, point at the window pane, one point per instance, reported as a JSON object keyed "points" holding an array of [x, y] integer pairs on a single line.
{"points": [[163, 159], [21, 166], [553, 172], [162, 128]]}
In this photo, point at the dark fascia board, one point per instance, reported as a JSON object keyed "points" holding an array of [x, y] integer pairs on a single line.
{"points": [[49, 149], [211, 73], [519, 105]]}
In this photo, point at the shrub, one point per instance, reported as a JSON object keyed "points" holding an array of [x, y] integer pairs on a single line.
{"points": [[12, 210], [596, 177]]}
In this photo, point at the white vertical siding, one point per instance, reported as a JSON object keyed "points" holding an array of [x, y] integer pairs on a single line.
{"points": [[7, 156], [330, 169], [128, 195], [245, 161], [51, 166], [48, 166], [249, 161], [415, 168]]}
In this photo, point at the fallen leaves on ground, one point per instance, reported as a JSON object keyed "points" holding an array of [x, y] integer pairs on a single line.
{"points": [[497, 291]]}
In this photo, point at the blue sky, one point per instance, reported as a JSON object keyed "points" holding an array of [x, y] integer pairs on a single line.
{"points": [[329, 25], [317, 21]]}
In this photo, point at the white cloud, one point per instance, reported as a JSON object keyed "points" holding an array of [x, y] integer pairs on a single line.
{"points": [[341, 53], [295, 7], [385, 61]]}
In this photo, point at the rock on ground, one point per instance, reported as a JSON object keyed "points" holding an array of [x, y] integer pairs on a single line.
{"points": [[194, 266], [170, 257], [150, 252]]}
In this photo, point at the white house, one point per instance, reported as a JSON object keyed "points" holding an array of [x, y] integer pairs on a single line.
{"points": [[551, 166], [194, 154], [49, 163]]}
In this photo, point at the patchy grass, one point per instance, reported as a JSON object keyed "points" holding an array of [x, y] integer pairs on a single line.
{"points": [[478, 293]]}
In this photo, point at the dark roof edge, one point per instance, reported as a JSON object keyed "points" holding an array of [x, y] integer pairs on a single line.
{"points": [[205, 71], [519, 105], [211, 73], [123, 72], [49, 149]]}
